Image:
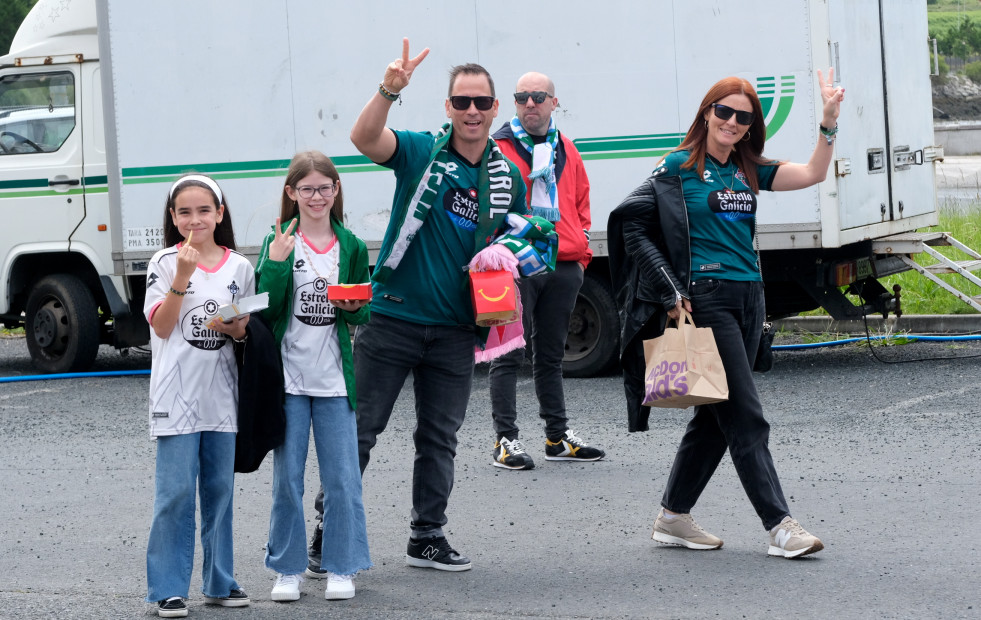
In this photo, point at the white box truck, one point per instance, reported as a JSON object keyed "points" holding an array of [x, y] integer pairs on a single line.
{"points": [[103, 104]]}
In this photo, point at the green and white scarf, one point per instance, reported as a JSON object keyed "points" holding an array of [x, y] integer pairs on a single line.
{"points": [[498, 185], [544, 193]]}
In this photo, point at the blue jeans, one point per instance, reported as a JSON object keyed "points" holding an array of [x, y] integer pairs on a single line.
{"points": [[335, 436], [547, 302], [205, 460], [734, 311], [441, 361]]}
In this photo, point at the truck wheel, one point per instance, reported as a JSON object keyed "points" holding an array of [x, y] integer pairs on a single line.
{"points": [[62, 325], [594, 331]]}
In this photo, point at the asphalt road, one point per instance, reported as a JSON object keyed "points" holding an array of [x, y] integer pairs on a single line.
{"points": [[881, 460]]}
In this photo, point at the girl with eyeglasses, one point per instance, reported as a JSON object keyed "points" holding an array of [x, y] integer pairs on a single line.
{"points": [[685, 239], [308, 250]]}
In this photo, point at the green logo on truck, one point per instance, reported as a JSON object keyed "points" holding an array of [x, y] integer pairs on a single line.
{"points": [[776, 97]]}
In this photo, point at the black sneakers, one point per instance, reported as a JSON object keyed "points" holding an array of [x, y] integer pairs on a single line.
{"points": [[569, 447], [235, 598], [172, 607], [435, 553], [511, 455], [314, 553]]}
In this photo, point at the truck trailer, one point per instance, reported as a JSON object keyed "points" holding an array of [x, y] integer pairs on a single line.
{"points": [[104, 103]]}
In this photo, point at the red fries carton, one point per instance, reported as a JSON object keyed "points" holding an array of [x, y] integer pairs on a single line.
{"points": [[494, 299], [349, 291]]}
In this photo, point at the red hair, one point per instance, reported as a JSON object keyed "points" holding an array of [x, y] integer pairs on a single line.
{"points": [[746, 154]]}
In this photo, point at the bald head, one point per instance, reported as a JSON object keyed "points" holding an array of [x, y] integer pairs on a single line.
{"points": [[533, 80], [535, 117]]}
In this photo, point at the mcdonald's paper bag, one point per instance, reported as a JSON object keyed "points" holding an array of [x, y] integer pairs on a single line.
{"points": [[494, 301], [684, 367]]}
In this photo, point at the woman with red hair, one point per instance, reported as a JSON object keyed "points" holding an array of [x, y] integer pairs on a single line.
{"points": [[685, 239]]}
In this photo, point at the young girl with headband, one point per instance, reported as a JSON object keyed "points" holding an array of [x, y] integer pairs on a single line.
{"points": [[194, 394], [296, 269]]}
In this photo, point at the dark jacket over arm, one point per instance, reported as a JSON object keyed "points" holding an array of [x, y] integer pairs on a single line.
{"points": [[650, 265], [261, 420]]}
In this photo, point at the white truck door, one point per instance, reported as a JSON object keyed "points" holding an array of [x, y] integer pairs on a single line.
{"points": [[907, 72], [855, 51], [41, 151]]}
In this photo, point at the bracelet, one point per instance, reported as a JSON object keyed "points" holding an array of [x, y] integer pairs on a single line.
{"points": [[174, 291], [242, 341], [387, 94], [829, 134]]}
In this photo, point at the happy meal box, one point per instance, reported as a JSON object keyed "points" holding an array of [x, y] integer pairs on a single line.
{"points": [[349, 291], [494, 297]]}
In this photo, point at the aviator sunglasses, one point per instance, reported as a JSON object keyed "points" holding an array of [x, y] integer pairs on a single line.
{"points": [[462, 102], [724, 112], [538, 96]]}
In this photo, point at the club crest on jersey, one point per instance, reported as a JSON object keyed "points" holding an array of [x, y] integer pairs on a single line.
{"points": [[233, 289], [194, 327]]}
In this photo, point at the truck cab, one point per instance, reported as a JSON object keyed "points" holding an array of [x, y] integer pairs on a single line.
{"points": [[55, 249]]}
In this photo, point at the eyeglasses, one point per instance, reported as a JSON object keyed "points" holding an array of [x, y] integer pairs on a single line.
{"points": [[461, 102], [324, 190], [538, 96], [724, 112]]}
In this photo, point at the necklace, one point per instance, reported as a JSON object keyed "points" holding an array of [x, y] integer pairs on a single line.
{"points": [[732, 177], [313, 265]]}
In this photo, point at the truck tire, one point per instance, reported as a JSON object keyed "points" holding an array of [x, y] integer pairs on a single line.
{"points": [[594, 331], [62, 325]]}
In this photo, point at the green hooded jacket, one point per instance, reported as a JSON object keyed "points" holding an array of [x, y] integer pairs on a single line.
{"points": [[276, 278]]}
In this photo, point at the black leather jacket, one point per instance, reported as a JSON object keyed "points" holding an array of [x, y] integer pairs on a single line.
{"points": [[650, 267]]}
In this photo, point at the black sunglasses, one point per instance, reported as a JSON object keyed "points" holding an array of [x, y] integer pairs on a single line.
{"points": [[725, 113], [462, 102], [538, 96]]}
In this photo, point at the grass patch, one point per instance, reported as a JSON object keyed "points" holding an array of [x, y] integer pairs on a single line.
{"points": [[923, 296], [942, 21], [11, 333]]}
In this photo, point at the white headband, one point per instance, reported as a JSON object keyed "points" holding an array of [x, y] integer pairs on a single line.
{"points": [[201, 179]]}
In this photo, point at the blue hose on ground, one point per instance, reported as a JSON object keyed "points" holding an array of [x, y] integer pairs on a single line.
{"points": [[75, 375], [911, 337]]}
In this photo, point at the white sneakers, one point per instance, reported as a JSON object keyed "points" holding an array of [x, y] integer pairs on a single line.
{"points": [[790, 540], [684, 531], [787, 540], [339, 587], [287, 588]]}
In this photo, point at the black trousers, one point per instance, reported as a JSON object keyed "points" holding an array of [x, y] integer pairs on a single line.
{"points": [[735, 312]]}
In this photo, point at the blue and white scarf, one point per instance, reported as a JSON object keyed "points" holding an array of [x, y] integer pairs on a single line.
{"points": [[544, 193]]}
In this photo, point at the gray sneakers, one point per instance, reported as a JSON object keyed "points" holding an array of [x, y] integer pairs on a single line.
{"points": [[682, 530], [790, 540]]}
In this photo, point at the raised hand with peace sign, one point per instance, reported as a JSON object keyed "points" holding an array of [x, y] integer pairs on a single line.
{"points": [[369, 134], [399, 71], [283, 243]]}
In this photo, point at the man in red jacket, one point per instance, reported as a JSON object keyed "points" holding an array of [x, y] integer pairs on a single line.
{"points": [[558, 190]]}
